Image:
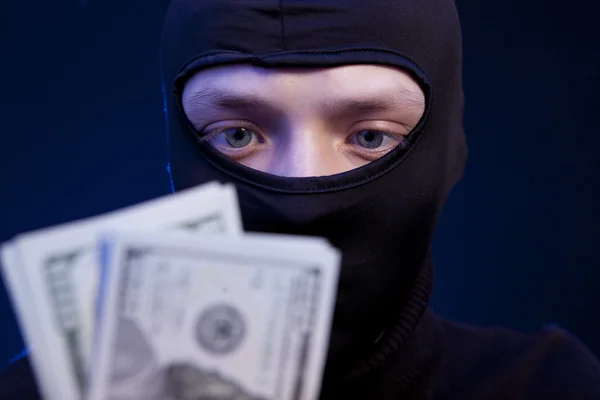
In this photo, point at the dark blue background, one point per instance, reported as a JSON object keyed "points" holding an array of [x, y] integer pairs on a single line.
{"points": [[81, 132]]}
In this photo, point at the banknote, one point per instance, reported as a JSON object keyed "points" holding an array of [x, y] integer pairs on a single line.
{"points": [[18, 289], [60, 266], [245, 318]]}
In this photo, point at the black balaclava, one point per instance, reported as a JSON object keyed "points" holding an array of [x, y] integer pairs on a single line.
{"points": [[382, 215]]}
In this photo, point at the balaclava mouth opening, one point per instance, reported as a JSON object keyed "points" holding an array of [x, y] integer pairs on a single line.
{"points": [[382, 215]]}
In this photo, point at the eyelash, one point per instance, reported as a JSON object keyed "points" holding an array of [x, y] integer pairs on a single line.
{"points": [[211, 134]]}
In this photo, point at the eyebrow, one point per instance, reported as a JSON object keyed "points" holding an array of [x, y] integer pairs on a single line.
{"points": [[226, 99]]}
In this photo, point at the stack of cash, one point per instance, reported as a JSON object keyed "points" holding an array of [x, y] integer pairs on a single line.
{"points": [[170, 299]]}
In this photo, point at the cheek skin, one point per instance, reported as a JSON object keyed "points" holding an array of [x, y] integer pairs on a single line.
{"points": [[259, 160]]}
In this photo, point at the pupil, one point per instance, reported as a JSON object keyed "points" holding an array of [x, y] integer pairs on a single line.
{"points": [[238, 135]]}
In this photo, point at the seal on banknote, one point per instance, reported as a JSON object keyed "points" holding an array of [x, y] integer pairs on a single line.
{"points": [[220, 329]]}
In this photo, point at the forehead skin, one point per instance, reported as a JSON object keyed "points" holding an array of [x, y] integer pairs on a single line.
{"points": [[304, 89]]}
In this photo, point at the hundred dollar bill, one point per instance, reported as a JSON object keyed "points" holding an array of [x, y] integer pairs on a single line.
{"points": [[245, 318], [60, 266]]}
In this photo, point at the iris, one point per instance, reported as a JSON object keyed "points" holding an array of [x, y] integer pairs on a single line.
{"points": [[238, 137], [370, 139]]}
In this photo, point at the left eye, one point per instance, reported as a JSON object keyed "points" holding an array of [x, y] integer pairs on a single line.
{"points": [[371, 139]]}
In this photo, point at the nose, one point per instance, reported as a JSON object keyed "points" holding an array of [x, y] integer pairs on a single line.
{"points": [[306, 153]]}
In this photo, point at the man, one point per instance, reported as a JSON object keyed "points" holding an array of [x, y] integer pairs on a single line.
{"points": [[343, 119]]}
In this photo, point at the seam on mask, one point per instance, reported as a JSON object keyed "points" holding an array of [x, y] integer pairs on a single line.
{"points": [[325, 188], [317, 52], [420, 133], [281, 25], [325, 52]]}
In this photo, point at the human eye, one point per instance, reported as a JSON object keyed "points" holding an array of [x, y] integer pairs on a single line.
{"points": [[372, 144], [233, 141]]}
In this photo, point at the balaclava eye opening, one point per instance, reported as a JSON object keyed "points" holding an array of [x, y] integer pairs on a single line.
{"points": [[382, 215]]}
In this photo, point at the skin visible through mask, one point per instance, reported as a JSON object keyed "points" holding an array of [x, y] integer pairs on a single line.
{"points": [[300, 122]]}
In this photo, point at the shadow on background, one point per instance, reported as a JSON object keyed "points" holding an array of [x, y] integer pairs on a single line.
{"points": [[82, 132]]}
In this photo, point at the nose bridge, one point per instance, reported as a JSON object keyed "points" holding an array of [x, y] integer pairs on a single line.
{"points": [[308, 151], [306, 147]]}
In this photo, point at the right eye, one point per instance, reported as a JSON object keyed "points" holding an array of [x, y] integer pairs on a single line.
{"points": [[234, 142]]}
